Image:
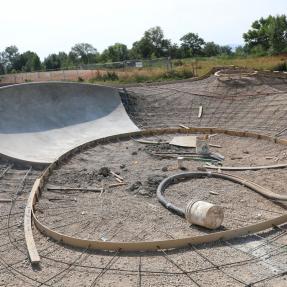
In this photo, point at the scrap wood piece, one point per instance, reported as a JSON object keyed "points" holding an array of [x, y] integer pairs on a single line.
{"points": [[177, 153], [117, 176], [215, 145], [61, 199], [183, 126], [5, 200], [30, 242], [187, 157], [216, 156], [184, 141], [247, 167], [200, 112], [213, 192], [117, 184], [211, 136], [188, 141], [149, 141], [65, 188]]}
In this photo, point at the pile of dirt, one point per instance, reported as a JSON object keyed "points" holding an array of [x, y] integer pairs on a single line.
{"points": [[148, 187]]}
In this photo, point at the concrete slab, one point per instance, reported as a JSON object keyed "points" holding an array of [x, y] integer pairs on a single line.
{"points": [[41, 121]]}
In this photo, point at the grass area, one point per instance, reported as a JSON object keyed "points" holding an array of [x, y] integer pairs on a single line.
{"points": [[133, 75], [187, 68], [257, 63]]}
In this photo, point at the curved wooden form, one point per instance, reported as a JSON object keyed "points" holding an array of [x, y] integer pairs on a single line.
{"points": [[240, 168], [139, 246], [31, 246]]}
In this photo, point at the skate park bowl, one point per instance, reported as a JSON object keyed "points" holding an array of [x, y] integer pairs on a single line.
{"points": [[41, 121]]}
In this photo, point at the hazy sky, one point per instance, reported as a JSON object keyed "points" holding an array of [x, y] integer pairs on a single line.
{"points": [[47, 26]]}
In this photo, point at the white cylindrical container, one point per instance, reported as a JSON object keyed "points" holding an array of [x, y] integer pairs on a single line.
{"points": [[204, 214]]}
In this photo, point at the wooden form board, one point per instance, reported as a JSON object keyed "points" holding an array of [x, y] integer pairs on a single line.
{"points": [[184, 141], [151, 245]]}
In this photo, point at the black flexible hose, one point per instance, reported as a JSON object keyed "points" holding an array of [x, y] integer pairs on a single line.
{"points": [[171, 179], [187, 175]]}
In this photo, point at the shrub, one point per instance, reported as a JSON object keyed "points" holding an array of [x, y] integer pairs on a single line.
{"points": [[178, 74], [111, 76], [178, 63], [108, 76], [280, 67]]}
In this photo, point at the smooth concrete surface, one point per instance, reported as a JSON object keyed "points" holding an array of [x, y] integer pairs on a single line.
{"points": [[41, 121]]}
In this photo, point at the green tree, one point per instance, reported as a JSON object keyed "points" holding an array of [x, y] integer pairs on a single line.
{"points": [[57, 61], [225, 50], [8, 58], [192, 45], [211, 49], [267, 34], [52, 62], [83, 53], [240, 51], [152, 45], [115, 53], [27, 62], [2, 68]]}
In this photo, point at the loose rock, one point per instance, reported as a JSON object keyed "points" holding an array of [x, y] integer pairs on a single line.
{"points": [[104, 171], [135, 186]]}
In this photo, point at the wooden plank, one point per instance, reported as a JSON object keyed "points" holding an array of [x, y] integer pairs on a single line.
{"points": [[149, 142], [5, 200], [163, 244], [184, 141], [65, 188], [30, 243], [183, 126], [200, 112], [215, 145], [117, 176], [117, 184], [247, 167]]}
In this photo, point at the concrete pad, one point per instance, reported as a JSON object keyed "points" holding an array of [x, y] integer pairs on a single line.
{"points": [[41, 121]]}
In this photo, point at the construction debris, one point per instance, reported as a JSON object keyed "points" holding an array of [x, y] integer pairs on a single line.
{"points": [[117, 184], [200, 112], [183, 126], [65, 188], [184, 141], [5, 200], [202, 146], [150, 142], [117, 176], [180, 162]]}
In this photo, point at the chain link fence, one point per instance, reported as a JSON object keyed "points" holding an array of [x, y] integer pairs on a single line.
{"points": [[85, 72]]}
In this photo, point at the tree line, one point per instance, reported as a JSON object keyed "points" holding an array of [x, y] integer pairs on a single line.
{"points": [[266, 36]]}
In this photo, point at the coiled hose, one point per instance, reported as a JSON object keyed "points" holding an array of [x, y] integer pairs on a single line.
{"points": [[189, 175]]}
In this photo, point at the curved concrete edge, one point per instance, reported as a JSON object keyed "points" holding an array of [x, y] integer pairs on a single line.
{"points": [[135, 246], [8, 86], [24, 163]]}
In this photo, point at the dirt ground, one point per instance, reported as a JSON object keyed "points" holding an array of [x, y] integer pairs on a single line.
{"points": [[248, 103], [133, 213]]}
